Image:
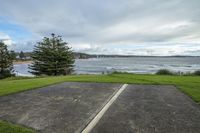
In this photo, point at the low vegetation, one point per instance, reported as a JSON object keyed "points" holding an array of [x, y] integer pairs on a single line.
{"points": [[168, 72], [164, 72], [6, 127], [197, 73], [190, 85]]}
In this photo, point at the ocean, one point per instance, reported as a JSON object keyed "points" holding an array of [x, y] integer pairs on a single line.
{"points": [[139, 65]]}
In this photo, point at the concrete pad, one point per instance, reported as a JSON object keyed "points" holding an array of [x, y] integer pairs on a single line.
{"points": [[151, 109], [66, 107]]}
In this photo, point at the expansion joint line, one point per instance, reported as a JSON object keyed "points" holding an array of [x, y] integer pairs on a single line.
{"points": [[99, 115]]}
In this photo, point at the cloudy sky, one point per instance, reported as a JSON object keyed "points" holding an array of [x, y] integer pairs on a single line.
{"points": [[136, 27]]}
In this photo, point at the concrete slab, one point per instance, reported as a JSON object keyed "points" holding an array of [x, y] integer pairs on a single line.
{"points": [[151, 109], [61, 108]]}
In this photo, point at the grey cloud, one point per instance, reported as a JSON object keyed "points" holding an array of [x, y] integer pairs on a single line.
{"points": [[22, 46], [93, 21]]}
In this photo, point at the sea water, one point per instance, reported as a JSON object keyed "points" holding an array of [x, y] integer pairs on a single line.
{"points": [[140, 65]]}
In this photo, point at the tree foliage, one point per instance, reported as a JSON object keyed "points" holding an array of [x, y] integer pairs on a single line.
{"points": [[13, 55], [6, 66], [52, 56], [22, 55]]}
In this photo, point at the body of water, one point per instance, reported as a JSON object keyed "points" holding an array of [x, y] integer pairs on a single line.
{"points": [[141, 65]]}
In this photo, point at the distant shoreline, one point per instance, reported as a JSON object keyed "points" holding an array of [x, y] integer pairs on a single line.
{"points": [[22, 62], [111, 56]]}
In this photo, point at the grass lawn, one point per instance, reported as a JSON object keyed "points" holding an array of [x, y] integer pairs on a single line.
{"points": [[6, 127], [190, 85]]}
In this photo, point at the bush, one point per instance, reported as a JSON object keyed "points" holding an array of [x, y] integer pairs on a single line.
{"points": [[118, 72], [5, 74], [164, 72], [197, 72]]}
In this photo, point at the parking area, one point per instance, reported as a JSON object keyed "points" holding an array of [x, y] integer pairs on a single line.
{"points": [[151, 109], [71, 106], [60, 108]]}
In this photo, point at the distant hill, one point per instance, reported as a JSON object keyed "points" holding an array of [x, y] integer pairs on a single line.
{"points": [[85, 56], [79, 55]]}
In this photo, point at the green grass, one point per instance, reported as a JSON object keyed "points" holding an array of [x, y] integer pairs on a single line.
{"points": [[190, 85], [6, 127], [187, 84]]}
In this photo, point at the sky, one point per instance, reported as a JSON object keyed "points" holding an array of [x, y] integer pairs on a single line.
{"points": [[128, 27]]}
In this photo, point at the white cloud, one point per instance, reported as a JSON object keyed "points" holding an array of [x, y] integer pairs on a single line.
{"points": [[175, 25], [93, 25], [5, 38], [146, 49]]}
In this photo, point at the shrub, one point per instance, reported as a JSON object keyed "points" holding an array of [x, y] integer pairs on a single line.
{"points": [[197, 72], [164, 72], [5, 74]]}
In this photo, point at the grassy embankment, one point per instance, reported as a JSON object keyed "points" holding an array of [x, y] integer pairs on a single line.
{"points": [[190, 85], [187, 84]]}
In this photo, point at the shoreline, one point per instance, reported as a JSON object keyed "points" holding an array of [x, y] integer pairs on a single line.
{"points": [[22, 62]]}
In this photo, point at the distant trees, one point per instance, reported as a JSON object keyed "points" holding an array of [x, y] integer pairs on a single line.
{"points": [[22, 55], [6, 66], [13, 55], [52, 56]]}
